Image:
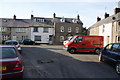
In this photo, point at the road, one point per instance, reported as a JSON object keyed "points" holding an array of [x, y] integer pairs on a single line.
{"points": [[54, 62]]}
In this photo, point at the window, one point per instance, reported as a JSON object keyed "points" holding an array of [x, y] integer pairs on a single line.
{"points": [[20, 29], [61, 38], [118, 39], [69, 29], [79, 39], [7, 52], [108, 47], [62, 29], [45, 30], [77, 29], [103, 30], [37, 38], [39, 20], [4, 20], [35, 29], [116, 48], [4, 37], [2, 29], [62, 20], [74, 20]]}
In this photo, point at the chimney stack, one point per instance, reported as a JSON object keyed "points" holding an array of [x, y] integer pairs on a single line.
{"points": [[14, 17], [54, 15], [106, 15], [98, 19], [32, 16], [78, 17], [116, 10]]}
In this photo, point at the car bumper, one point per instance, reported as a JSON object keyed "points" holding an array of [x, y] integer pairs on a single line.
{"points": [[65, 48], [12, 75]]}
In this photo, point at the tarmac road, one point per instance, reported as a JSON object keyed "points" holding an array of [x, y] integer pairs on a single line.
{"points": [[54, 62]]}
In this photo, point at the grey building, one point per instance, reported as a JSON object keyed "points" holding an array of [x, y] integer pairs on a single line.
{"points": [[14, 29], [66, 27]]}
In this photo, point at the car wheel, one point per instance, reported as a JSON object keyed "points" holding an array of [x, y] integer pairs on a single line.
{"points": [[118, 68], [97, 51], [100, 57], [72, 50]]}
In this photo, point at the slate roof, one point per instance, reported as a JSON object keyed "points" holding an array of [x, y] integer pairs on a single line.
{"points": [[107, 20], [67, 20], [6, 22]]}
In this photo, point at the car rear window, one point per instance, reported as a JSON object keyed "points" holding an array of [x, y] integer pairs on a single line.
{"points": [[11, 43], [7, 52]]}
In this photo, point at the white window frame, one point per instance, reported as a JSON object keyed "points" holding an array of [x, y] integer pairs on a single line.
{"points": [[37, 36], [62, 38], [77, 29], [20, 29], [62, 20], [62, 29], [40, 20], [103, 28], [45, 30], [69, 29], [74, 20]]}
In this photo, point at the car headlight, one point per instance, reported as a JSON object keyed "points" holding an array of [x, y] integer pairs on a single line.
{"points": [[66, 46]]}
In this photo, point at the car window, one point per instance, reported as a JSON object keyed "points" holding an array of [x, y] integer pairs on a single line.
{"points": [[79, 39], [11, 43], [116, 48], [8, 43], [15, 43], [108, 47], [7, 52]]}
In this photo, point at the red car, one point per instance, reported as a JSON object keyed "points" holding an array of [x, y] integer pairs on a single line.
{"points": [[10, 62]]}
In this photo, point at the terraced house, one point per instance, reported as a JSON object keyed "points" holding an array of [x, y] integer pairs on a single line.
{"points": [[14, 29], [109, 27], [41, 30]]}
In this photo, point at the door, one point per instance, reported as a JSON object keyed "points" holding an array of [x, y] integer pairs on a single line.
{"points": [[80, 45], [14, 37]]}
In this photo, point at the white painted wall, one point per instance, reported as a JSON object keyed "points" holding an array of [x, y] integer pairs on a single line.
{"points": [[44, 36], [107, 32]]}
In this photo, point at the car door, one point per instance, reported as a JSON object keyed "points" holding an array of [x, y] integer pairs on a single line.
{"points": [[115, 52], [106, 51]]}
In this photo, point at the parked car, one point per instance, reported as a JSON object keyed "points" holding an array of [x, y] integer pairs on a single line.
{"points": [[12, 66], [80, 43], [28, 42], [111, 53], [14, 42]]}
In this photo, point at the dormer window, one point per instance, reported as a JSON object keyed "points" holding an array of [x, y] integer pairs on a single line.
{"points": [[74, 21], [39, 20], [62, 20], [4, 20]]}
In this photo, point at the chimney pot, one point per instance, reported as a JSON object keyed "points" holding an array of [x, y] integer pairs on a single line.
{"points": [[106, 15], [54, 15], [32, 16], [78, 17], [14, 17], [116, 10], [98, 19]]}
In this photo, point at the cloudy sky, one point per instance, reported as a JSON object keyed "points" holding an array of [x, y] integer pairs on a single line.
{"points": [[87, 9]]}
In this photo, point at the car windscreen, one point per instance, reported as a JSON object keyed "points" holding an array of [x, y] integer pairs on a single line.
{"points": [[72, 39], [7, 52], [11, 43]]}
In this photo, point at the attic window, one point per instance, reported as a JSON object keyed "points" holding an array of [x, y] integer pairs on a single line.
{"points": [[62, 20], [4, 20], [74, 21], [39, 20]]}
